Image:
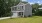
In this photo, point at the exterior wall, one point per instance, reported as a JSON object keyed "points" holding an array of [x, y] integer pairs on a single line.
{"points": [[28, 10]]}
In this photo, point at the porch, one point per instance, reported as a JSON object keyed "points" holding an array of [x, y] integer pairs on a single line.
{"points": [[18, 14]]}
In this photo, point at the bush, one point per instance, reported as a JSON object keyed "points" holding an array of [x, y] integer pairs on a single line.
{"points": [[25, 16], [39, 13], [30, 16]]}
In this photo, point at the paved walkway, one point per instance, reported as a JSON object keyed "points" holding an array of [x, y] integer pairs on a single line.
{"points": [[4, 18]]}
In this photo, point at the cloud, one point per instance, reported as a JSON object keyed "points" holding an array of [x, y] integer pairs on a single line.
{"points": [[24, 0], [31, 3], [34, 1], [38, 1]]}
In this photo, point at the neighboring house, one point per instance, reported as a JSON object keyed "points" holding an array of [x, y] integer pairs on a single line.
{"points": [[21, 10], [40, 9]]}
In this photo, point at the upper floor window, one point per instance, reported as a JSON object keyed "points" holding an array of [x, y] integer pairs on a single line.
{"points": [[22, 7], [14, 8], [18, 8]]}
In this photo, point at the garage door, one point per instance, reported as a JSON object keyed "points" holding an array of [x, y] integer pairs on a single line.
{"points": [[14, 15]]}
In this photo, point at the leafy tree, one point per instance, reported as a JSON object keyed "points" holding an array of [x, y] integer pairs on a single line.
{"points": [[35, 7], [40, 5], [39, 13], [5, 5]]}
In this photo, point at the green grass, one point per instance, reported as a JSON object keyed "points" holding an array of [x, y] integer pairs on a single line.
{"points": [[34, 19]]}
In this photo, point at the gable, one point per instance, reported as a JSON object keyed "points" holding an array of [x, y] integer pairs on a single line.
{"points": [[21, 4]]}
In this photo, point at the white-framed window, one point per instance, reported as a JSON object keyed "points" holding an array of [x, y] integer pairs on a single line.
{"points": [[20, 13], [22, 7], [18, 8], [14, 8]]}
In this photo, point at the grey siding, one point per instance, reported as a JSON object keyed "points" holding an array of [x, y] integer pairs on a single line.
{"points": [[28, 10], [20, 7]]}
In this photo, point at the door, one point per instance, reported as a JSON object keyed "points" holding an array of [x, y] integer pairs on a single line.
{"points": [[20, 14], [15, 15]]}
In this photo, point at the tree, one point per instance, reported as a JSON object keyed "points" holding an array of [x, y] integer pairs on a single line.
{"points": [[40, 6], [39, 13], [35, 7], [5, 5]]}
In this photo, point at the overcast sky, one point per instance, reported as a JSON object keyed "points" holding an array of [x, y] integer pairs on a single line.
{"points": [[33, 1]]}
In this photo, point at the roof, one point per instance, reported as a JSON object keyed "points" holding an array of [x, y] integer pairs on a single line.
{"points": [[39, 8], [21, 4]]}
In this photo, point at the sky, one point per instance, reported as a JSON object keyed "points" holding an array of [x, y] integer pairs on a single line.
{"points": [[33, 1]]}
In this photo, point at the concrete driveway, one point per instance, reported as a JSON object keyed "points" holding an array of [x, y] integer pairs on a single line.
{"points": [[4, 18]]}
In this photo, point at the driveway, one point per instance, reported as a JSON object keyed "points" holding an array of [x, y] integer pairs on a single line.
{"points": [[4, 18]]}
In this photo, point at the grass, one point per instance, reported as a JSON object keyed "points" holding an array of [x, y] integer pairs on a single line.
{"points": [[34, 19]]}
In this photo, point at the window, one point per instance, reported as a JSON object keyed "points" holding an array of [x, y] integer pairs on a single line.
{"points": [[18, 8], [14, 8], [22, 7], [20, 13]]}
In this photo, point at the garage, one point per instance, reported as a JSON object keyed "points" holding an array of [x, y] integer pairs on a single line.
{"points": [[15, 14]]}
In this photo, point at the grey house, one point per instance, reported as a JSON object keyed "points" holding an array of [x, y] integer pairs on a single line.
{"points": [[21, 10]]}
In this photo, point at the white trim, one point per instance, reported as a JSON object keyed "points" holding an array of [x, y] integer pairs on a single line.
{"points": [[24, 8], [19, 5], [23, 14], [17, 11]]}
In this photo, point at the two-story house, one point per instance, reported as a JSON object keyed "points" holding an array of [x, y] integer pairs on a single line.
{"points": [[21, 10]]}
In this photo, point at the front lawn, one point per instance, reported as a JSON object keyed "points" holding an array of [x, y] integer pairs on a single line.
{"points": [[35, 19]]}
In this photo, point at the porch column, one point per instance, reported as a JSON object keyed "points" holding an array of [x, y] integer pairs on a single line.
{"points": [[23, 14]]}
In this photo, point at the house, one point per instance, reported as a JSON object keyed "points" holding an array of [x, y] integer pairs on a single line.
{"points": [[40, 9], [21, 10]]}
